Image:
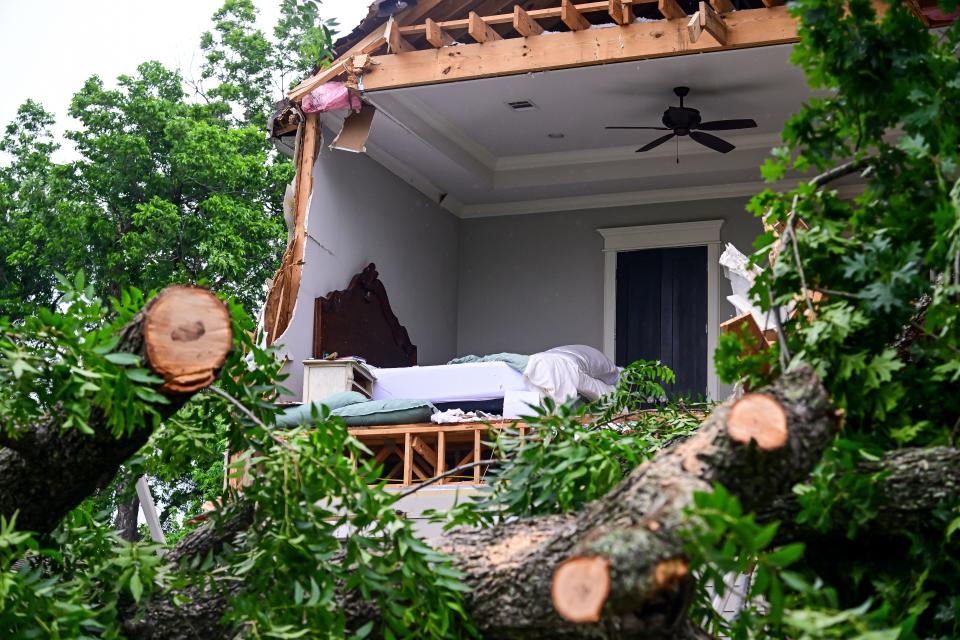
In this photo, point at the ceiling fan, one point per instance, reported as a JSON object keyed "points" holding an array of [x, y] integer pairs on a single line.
{"points": [[685, 121]]}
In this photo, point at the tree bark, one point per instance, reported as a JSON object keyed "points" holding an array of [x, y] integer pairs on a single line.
{"points": [[183, 335], [757, 447], [912, 483], [128, 508]]}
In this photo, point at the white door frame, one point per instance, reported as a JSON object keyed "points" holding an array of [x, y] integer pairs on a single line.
{"points": [[662, 236]]}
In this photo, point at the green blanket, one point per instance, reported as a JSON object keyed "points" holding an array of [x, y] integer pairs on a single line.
{"points": [[515, 360]]}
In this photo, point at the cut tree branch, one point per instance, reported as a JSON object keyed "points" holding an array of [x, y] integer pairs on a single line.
{"points": [[183, 335]]}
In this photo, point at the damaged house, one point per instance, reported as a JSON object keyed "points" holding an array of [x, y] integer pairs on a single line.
{"points": [[498, 179]]}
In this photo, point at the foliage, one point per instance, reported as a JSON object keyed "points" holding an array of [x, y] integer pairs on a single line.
{"points": [[722, 543], [570, 455], [65, 361], [884, 336], [164, 187], [294, 563]]}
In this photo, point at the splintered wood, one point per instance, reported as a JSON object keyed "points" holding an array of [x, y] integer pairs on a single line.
{"points": [[760, 418], [188, 334], [580, 588]]}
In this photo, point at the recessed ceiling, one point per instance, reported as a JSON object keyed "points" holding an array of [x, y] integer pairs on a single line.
{"points": [[464, 140]]}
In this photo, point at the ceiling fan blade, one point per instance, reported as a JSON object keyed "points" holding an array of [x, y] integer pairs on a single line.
{"points": [[656, 143], [726, 125], [713, 142], [651, 128]]}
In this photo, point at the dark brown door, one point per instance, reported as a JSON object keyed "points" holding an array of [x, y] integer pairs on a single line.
{"points": [[662, 313]]}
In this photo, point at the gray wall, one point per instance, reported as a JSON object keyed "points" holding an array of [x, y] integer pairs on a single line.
{"points": [[362, 213], [531, 282]]}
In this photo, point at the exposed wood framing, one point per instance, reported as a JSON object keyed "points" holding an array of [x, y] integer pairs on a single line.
{"points": [[480, 30], [535, 14], [437, 36], [396, 43], [524, 24], [282, 297], [707, 19], [620, 13], [722, 6], [375, 40], [411, 453], [671, 10], [573, 18], [636, 41]]}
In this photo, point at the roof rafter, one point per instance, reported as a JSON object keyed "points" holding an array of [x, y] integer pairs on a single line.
{"points": [[635, 41]]}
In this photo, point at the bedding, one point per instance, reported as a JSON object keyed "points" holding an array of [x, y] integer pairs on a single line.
{"points": [[447, 383], [302, 414], [384, 412], [561, 375], [515, 360]]}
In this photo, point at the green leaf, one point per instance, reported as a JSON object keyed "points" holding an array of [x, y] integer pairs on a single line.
{"points": [[136, 587], [122, 359]]}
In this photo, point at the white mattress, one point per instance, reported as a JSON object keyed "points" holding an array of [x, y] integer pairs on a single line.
{"points": [[447, 382]]}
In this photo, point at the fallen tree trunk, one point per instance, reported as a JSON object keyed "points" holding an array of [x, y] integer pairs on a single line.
{"points": [[183, 335], [614, 569], [911, 485]]}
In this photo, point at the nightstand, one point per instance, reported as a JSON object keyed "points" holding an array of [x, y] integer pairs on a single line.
{"points": [[322, 378]]}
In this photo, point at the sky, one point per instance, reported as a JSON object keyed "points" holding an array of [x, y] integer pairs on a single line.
{"points": [[48, 48]]}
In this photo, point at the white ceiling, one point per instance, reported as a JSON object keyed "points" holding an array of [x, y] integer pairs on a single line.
{"points": [[461, 139]]}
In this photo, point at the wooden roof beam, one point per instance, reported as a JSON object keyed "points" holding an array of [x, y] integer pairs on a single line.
{"points": [[535, 14], [436, 36], [396, 43], [620, 13], [636, 41], [480, 30], [573, 18], [722, 6], [524, 24], [671, 10], [706, 19]]}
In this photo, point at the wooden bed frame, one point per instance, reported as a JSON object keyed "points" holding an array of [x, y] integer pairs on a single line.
{"points": [[358, 321]]}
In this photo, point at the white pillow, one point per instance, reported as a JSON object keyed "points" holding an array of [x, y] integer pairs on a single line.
{"points": [[591, 361]]}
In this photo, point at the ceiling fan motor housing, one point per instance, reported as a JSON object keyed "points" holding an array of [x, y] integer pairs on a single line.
{"points": [[681, 119]]}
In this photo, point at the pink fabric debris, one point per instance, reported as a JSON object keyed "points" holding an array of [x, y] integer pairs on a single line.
{"points": [[330, 96]]}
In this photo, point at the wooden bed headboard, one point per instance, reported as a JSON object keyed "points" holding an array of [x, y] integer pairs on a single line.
{"points": [[358, 321]]}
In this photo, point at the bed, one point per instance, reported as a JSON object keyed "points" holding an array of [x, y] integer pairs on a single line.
{"points": [[359, 322]]}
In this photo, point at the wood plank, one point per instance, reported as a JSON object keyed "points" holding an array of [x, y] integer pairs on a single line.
{"points": [[480, 30], [476, 456], [712, 23], [420, 473], [441, 455], [572, 17], [695, 27], [620, 13], [437, 36], [773, 3], [745, 324], [671, 10], [462, 24], [407, 458], [374, 40], [722, 6], [636, 41], [396, 43], [398, 430], [425, 451], [524, 24]]}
